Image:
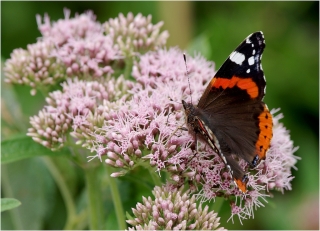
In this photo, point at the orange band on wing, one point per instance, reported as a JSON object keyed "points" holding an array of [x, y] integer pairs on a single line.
{"points": [[241, 185], [246, 84], [265, 135]]}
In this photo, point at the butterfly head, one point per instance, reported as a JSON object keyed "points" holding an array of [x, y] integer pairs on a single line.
{"points": [[189, 112]]}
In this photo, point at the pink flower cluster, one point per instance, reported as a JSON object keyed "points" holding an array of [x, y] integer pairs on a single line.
{"points": [[76, 110], [60, 32], [135, 35], [81, 47], [173, 209], [34, 67]]}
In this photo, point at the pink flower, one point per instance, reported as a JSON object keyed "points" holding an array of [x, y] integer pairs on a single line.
{"points": [[173, 209], [134, 35], [88, 57], [75, 110], [34, 67], [60, 32], [81, 47]]}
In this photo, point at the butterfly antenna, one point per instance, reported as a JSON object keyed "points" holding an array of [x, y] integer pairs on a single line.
{"points": [[185, 62]]}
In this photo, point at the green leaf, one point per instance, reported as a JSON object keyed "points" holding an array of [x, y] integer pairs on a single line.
{"points": [[23, 147], [9, 203]]}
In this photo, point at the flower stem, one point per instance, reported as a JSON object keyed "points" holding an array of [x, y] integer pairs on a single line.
{"points": [[116, 200], [128, 68], [94, 198], [65, 192]]}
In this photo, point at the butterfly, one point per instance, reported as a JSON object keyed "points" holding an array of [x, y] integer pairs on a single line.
{"points": [[231, 116]]}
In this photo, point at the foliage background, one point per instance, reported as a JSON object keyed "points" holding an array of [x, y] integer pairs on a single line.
{"points": [[291, 65]]}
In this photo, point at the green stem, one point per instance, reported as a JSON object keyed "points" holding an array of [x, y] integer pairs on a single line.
{"points": [[116, 200], [82, 221], [65, 192], [128, 68], [95, 204]]}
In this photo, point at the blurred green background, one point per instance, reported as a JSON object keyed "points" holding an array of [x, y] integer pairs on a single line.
{"points": [[290, 63]]}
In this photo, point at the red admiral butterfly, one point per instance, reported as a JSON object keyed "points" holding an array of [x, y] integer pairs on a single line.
{"points": [[230, 115]]}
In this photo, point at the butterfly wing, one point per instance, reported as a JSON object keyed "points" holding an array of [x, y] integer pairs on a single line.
{"points": [[232, 106]]}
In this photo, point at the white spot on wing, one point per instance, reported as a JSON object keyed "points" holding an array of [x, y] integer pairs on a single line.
{"points": [[248, 71], [251, 60], [253, 51], [237, 57], [230, 170], [212, 136]]}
